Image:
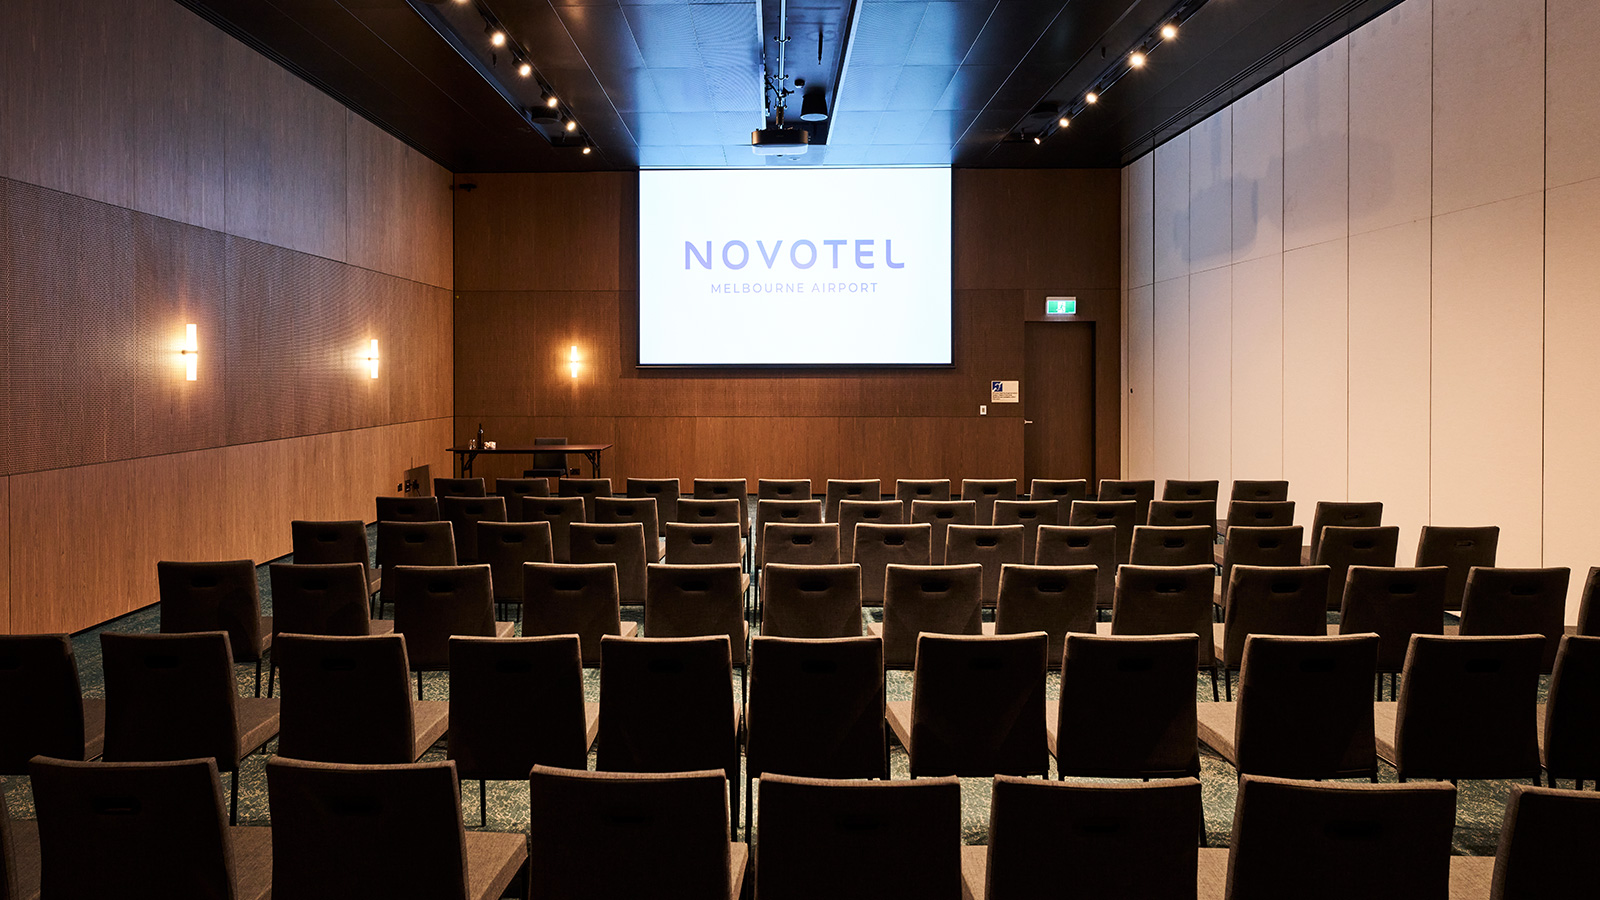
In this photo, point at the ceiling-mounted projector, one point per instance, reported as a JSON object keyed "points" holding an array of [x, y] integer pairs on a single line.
{"points": [[780, 141]]}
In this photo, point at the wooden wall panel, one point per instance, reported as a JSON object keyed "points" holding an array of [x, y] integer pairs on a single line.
{"points": [[178, 112], [1316, 159], [1001, 244], [1258, 173], [1572, 106], [261, 344], [399, 207], [552, 232], [1391, 118], [5, 557], [178, 279]]}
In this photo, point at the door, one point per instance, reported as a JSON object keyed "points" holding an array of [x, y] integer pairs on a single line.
{"points": [[1058, 400]]}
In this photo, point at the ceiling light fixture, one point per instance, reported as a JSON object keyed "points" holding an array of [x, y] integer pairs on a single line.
{"points": [[497, 38], [1063, 121], [1091, 98], [572, 125], [550, 99], [525, 68], [1169, 31], [1136, 59]]}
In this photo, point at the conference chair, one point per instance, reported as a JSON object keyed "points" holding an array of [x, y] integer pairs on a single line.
{"points": [[984, 492], [1179, 513], [1589, 605], [516, 703], [1569, 739], [334, 542], [1106, 840], [705, 545], [1394, 604], [573, 598], [1119, 514], [935, 599], [1168, 600], [787, 512], [173, 696], [348, 700], [1178, 489], [142, 829], [1141, 492], [515, 490], [562, 513], [220, 596], [673, 825], [864, 512], [433, 603], [811, 601], [1072, 545], [42, 704], [1277, 546], [617, 510], [697, 601], [459, 487], [1343, 547], [664, 491], [1031, 515], [1061, 490], [506, 547], [1458, 550], [1517, 601], [839, 490], [879, 546], [1289, 600], [1259, 491], [1051, 599], [464, 514], [804, 544], [726, 489], [320, 599], [941, 514], [587, 488], [1162, 545], [621, 544], [414, 544], [407, 509], [342, 830], [783, 489], [890, 840], [1349, 515], [548, 464], [19, 856], [990, 546], [716, 512], [976, 707], [910, 490], [1546, 844], [1126, 708], [1259, 514]]}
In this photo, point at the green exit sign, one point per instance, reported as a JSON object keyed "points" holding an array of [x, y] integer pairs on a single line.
{"points": [[1061, 306]]}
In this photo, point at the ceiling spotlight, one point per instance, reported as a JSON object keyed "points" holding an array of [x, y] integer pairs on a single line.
{"points": [[1063, 121], [1136, 59], [1091, 98], [572, 124], [1037, 139], [587, 148], [525, 69], [497, 38], [550, 99], [1169, 31]]}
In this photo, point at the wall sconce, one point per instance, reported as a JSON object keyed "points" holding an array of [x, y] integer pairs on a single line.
{"points": [[191, 353], [372, 358], [573, 359]]}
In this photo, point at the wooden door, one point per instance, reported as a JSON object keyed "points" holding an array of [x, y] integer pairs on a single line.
{"points": [[1058, 400]]}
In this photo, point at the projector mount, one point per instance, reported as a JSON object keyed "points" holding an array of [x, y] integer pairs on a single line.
{"points": [[780, 141]]}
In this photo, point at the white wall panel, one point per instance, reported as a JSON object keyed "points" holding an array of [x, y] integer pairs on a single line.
{"points": [[1572, 112], [1572, 392], [1258, 172], [1391, 118], [1172, 208], [1172, 378], [1488, 101], [1488, 372], [1211, 374], [1141, 383], [1257, 327], [1316, 375], [1390, 353], [1316, 143], [1211, 192], [1141, 221]]}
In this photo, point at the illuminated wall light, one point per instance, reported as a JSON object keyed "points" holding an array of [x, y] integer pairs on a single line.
{"points": [[191, 353], [372, 359], [1136, 59], [1169, 31], [498, 38], [572, 358], [1091, 98]]}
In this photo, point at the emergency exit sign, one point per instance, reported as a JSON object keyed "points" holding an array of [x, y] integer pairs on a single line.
{"points": [[1061, 306]]}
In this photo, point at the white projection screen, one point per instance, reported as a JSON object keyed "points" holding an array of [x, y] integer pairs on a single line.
{"points": [[794, 267]]}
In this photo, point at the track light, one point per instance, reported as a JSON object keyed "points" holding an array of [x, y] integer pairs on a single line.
{"points": [[550, 99], [525, 69], [1136, 59], [1169, 31], [1063, 121], [572, 124], [497, 38], [1091, 98]]}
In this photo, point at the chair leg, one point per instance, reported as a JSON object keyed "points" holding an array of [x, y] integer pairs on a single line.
{"points": [[419, 684], [1227, 683], [272, 675], [258, 676], [233, 804], [1214, 697], [483, 802], [749, 801]]}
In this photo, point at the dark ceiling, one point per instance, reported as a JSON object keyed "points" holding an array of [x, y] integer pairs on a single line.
{"points": [[680, 83]]}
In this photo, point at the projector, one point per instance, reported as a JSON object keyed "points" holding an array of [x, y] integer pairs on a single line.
{"points": [[780, 141]]}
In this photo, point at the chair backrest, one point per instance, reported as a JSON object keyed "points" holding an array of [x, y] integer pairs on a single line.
{"points": [[662, 490], [977, 705], [984, 492], [1061, 490], [864, 512], [726, 489], [1172, 545], [546, 464], [699, 545], [1259, 491], [587, 488], [1545, 844], [1140, 491], [1458, 550], [346, 830], [811, 601], [1185, 512], [514, 703], [839, 490], [1127, 706], [1305, 707], [1166, 600], [816, 708], [786, 512], [1178, 489], [674, 826], [783, 489], [1571, 729], [571, 598], [1517, 601], [464, 514], [1310, 838], [431, 603], [913, 830], [1051, 599], [1347, 514], [618, 510], [1344, 546], [1119, 514], [696, 511], [1589, 604], [506, 546], [515, 489], [937, 599], [1288, 600], [458, 487], [407, 509], [1108, 840], [877, 546], [217, 596], [1268, 545], [621, 543], [910, 490], [1394, 604], [170, 696], [320, 599], [991, 546], [561, 513], [132, 829], [1082, 545], [1259, 514], [40, 701], [941, 514], [416, 544], [345, 699], [1030, 514], [806, 544], [697, 601], [1467, 707], [667, 705]]}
